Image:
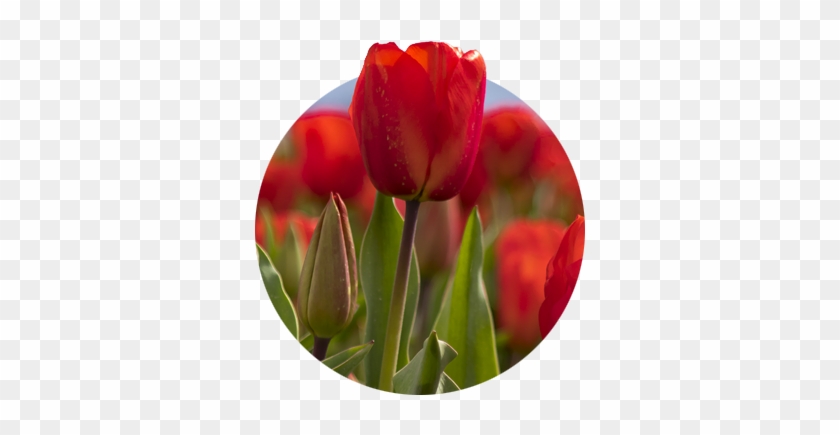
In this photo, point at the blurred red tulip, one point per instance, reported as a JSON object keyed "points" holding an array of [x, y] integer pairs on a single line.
{"points": [[520, 165], [281, 184], [553, 167], [417, 117], [509, 142], [523, 249], [331, 161], [562, 275]]}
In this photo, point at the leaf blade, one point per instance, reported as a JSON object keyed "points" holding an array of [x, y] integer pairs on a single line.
{"points": [[274, 287], [465, 321], [424, 373], [344, 362], [377, 267]]}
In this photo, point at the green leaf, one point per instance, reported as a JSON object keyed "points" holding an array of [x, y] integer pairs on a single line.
{"points": [[447, 385], [344, 362], [424, 374], [289, 259], [307, 341], [274, 286], [377, 266], [465, 321]]}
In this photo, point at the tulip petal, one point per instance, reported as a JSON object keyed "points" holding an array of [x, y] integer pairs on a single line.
{"points": [[394, 96], [561, 275], [523, 249], [461, 121], [439, 60]]}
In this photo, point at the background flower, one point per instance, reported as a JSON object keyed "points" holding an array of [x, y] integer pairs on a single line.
{"points": [[522, 252]]}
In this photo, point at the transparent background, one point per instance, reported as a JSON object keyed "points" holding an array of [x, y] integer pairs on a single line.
{"points": [[133, 136]]}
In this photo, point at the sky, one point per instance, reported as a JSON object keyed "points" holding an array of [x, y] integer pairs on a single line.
{"points": [[340, 97]]}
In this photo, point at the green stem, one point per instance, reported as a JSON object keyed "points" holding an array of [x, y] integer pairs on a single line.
{"points": [[395, 317], [319, 351]]}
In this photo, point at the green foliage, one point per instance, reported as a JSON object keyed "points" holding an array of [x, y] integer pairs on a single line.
{"points": [[377, 267], [274, 286], [465, 321], [344, 362], [424, 374]]}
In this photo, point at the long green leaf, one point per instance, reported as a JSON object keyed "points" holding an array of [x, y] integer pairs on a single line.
{"points": [[465, 321], [290, 260], [344, 362], [377, 265], [424, 374], [274, 286]]}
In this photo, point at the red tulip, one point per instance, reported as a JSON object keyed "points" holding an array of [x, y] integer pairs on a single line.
{"points": [[509, 142], [281, 182], [561, 276], [417, 116], [523, 249], [331, 161]]}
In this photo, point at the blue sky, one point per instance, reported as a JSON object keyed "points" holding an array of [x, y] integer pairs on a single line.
{"points": [[340, 96]]}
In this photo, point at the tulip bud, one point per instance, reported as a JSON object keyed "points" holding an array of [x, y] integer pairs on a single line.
{"points": [[439, 225], [328, 282]]}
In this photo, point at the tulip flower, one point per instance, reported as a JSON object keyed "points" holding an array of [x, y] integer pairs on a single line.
{"points": [[328, 281], [521, 165], [417, 117], [523, 249], [561, 276], [331, 161], [281, 182], [509, 142]]}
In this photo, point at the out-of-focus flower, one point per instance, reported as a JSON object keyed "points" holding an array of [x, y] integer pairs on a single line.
{"points": [[331, 161], [281, 182], [328, 281], [521, 169], [417, 116], [439, 230], [509, 139], [523, 249], [561, 276]]}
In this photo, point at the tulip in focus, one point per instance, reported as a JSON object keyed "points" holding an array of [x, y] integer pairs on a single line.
{"points": [[523, 249], [562, 275], [417, 117], [328, 281]]}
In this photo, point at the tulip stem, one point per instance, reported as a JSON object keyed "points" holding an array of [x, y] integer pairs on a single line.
{"points": [[395, 317], [319, 351]]}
